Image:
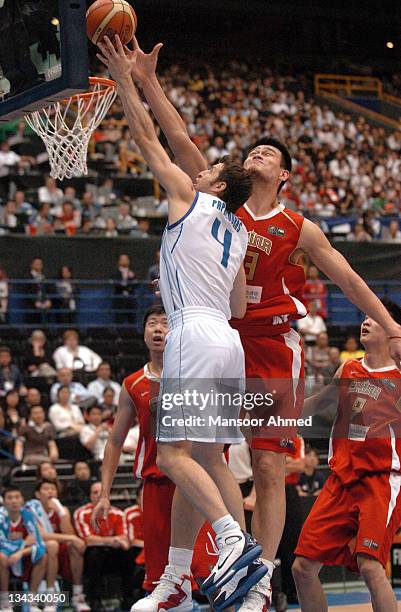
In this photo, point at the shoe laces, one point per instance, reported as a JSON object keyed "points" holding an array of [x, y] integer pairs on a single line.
{"points": [[163, 588]]}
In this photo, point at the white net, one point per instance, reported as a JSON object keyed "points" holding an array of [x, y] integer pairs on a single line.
{"points": [[66, 127]]}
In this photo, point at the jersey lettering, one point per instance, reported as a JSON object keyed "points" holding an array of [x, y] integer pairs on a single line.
{"points": [[226, 244]]}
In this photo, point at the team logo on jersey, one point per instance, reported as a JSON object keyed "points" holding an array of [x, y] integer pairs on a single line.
{"points": [[370, 544], [260, 242], [276, 231], [365, 387]]}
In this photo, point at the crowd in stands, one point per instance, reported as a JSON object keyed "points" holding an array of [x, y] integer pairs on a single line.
{"points": [[343, 166]]}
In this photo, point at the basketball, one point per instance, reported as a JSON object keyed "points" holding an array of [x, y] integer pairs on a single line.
{"points": [[111, 17]]}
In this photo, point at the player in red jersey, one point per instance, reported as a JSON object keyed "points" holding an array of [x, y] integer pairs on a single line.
{"points": [[277, 239], [355, 517], [139, 397], [67, 557]]}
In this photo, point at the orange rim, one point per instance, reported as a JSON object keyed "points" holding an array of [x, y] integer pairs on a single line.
{"points": [[106, 83]]}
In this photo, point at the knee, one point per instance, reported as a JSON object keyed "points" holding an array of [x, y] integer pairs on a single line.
{"points": [[303, 569], [371, 570], [167, 457], [269, 469], [52, 548], [3, 560]]}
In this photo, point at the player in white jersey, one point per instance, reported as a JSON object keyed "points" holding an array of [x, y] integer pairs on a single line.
{"points": [[202, 282]]}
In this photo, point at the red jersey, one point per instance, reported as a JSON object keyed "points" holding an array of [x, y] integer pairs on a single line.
{"points": [[18, 530], [143, 389], [275, 285], [55, 521], [133, 519], [366, 436], [114, 525]]}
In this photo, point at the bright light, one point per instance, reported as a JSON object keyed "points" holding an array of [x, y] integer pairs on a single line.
{"points": [[55, 21], [390, 45]]}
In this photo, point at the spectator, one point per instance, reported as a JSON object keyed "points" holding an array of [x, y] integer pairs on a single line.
{"points": [[216, 151], [41, 222], [106, 549], [38, 304], [46, 471], [392, 233], [320, 353], [8, 159], [70, 195], [38, 360], [109, 404], [335, 362], [89, 210], [124, 290], [13, 413], [8, 217], [65, 301], [68, 220], [77, 490], [102, 382], [23, 206], [351, 350], [23, 541], [311, 480], [359, 234], [50, 193], [79, 394], [33, 398], [75, 356], [142, 230], [36, 440], [3, 295], [311, 325], [6, 438], [110, 229], [316, 291], [66, 417], [95, 434], [68, 555], [154, 269], [125, 222], [10, 375]]}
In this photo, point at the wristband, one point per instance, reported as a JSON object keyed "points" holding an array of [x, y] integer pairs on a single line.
{"points": [[59, 508], [393, 337]]}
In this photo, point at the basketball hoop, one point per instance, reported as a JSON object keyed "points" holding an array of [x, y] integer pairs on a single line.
{"points": [[66, 127]]}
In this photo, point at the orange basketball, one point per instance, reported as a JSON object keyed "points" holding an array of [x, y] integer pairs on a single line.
{"points": [[111, 17]]}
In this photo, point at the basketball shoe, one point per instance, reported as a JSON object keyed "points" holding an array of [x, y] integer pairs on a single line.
{"points": [[172, 593], [239, 585], [259, 598], [236, 551]]}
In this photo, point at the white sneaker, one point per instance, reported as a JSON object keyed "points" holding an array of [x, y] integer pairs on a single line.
{"points": [[37, 609], [79, 603], [237, 551], [172, 593], [48, 608], [258, 599]]}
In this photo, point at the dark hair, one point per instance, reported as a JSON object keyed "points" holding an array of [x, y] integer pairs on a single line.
{"points": [[93, 483], [61, 387], [286, 161], [40, 465], [392, 308], [11, 489], [156, 309], [89, 410], [311, 449], [238, 181], [107, 389], [35, 406], [47, 481], [5, 349]]}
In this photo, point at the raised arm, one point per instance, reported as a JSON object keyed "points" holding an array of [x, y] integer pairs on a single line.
{"points": [[186, 153], [178, 185], [313, 242]]}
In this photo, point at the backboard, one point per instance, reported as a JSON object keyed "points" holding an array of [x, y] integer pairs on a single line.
{"points": [[43, 54]]}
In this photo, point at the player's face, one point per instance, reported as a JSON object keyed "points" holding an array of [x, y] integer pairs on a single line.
{"points": [[13, 501], [264, 162], [372, 334], [46, 493], [155, 332], [206, 181]]}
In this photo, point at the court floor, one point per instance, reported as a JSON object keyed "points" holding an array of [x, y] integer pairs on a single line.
{"points": [[350, 602]]}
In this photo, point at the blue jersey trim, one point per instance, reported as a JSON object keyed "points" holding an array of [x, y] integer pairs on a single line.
{"points": [[178, 286], [178, 237], [173, 225]]}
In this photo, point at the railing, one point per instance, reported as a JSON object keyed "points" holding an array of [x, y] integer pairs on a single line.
{"points": [[346, 85], [98, 304]]}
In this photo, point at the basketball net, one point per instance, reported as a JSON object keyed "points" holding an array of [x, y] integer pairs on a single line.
{"points": [[66, 127]]}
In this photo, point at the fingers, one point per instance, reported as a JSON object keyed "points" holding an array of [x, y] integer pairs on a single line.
{"points": [[102, 59], [156, 49], [119, 44], [135, 44]]}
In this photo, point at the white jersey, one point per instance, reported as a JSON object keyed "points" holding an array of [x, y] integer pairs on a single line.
{"points": [[201, 255]]}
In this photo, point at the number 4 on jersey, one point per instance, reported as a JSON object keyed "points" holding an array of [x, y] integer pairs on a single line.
{"points": [[226, 244]]}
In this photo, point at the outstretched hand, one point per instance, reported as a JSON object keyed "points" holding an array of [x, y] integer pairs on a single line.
{"points": [[116, 60], [101, 511], [143, 65]]}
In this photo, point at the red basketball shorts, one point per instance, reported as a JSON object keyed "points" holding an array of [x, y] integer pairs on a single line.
{"points": [[275, 364], [346, 521], [157, 502]]}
